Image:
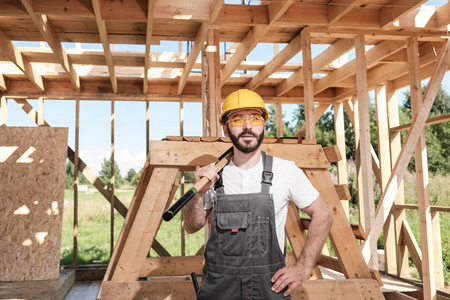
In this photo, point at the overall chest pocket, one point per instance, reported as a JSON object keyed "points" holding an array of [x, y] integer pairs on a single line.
{"points": [[233, 233]]}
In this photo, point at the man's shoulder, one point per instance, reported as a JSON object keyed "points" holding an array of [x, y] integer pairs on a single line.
{"points": [[284, 163]]}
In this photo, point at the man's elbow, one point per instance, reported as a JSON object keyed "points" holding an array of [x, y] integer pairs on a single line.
{"points": [[191, 228]]}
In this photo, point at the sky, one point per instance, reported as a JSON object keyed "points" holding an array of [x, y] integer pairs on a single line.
{"points": [[130, 119]]}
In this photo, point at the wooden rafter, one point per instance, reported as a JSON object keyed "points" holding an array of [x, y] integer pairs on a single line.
{"points": [[282, 58], [395, 9], [49, 35], [103, 32], [324, 58], [443, 16], [276, 10], [11, 51], [148, 40], [2, 83], [338, 8], [375, 54], [193, 54]]}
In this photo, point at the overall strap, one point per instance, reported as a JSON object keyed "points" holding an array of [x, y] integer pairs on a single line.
{"points": [[218, 186], [267, 174]]}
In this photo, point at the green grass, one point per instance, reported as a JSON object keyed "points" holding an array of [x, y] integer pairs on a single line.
{"points": [[94, 229]]}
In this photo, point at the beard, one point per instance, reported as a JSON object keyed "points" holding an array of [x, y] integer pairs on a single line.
{"points": [[244, 146]]}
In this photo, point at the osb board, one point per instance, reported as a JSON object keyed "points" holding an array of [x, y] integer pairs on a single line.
{"points": [[32, 175], [42, 289], [345, 289]]}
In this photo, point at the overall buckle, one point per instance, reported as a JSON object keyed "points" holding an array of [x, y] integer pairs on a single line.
{"points": [[267, 177]]}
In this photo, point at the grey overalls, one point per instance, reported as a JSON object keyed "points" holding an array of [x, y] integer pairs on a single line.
{"points": [[242, 253]]}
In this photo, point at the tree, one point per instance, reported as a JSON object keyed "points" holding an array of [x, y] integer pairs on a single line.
{"points": [[130, 175], [70, 174], [105, 174], [437, 136], [271, 124]]}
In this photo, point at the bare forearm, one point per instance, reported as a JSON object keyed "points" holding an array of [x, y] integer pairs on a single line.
{"points": [[194, 214], [317, 235]]}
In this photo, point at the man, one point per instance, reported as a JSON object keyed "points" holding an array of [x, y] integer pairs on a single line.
{"points": [[245, 254]]}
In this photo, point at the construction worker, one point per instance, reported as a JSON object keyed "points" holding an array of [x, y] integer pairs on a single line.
{"points": [[245, 253]]}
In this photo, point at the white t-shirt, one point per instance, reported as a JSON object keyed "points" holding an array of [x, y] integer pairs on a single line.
{"points": [[289, 184]]}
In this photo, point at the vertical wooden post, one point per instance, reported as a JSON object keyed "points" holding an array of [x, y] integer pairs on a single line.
{"points": [[75, 184], [385, 172], [211, 90], [112, 176], [4, 116], [40, 120], [340, 142], [147, 126], [423, 194], [438, 264], [365, 145], [183, 232], [400, 268], [417, 125], [279, 120], [310, 133]]}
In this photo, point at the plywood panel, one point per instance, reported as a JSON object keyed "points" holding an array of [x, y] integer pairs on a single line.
{"points": [[32, 175]]}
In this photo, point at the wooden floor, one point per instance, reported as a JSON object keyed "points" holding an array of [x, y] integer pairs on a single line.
{"points": [[89, 290], [84, 290]]}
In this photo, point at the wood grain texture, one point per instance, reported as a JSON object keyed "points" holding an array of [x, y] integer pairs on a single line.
{"points": [[32, 175]]}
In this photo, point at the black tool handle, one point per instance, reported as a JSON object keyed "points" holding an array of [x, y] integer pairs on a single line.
{"points": [[177, 206]]}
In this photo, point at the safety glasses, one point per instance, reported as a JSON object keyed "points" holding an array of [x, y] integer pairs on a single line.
{"points": [[239, 120]]}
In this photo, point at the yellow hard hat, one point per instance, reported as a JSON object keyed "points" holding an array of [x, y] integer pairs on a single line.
{"points": [[242, 99]]}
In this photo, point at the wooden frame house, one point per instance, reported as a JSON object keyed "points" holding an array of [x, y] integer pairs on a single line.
{"points": [[373, 45]]}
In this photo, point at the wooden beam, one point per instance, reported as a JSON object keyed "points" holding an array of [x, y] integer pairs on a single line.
{"points": [[310, 131], [148, 40], [423, 192], [4, 111], [318, 113], [396, 263], [172, 266], [380, 51], [395, 9], [279, 60], [324, 58], [103, 32], [433, 208], [339, 130], [216, 7], [413, 247], [2, 82], [338, 8], [199, 155], [385, 167], [367, 203], [193, 54], [388, 197], [443, 16], [430, 121], [143, 230], [17, 58], [48, 33], [252, 38], [182, 288]]}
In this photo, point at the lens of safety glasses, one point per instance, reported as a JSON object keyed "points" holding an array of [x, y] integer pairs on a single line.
{"points": [[239, 120]]}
